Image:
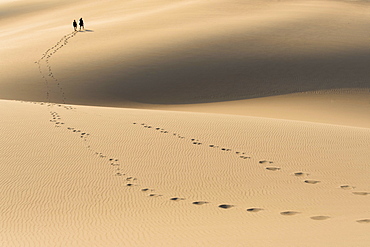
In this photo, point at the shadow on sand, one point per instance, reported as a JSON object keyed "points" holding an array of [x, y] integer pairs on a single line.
{"points": [[203, 78]]}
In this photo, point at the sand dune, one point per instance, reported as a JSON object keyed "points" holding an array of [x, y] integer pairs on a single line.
{"points": [[105, 176], [245, 123], [196, 52]]}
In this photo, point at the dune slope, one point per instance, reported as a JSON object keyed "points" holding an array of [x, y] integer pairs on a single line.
{"points": [[182, 52], [90, 176]]}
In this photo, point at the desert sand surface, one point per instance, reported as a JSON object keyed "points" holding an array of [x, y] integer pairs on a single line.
{"points": [[185, 123]]}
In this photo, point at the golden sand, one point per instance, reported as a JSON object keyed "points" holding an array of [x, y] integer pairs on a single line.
{"points": [[185, 123]]}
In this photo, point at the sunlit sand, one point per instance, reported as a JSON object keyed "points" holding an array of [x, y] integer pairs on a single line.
{"points": [[185, 123]]}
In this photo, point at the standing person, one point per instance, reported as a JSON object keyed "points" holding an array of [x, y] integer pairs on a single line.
{"points": [[75, 25], [81, 24]]}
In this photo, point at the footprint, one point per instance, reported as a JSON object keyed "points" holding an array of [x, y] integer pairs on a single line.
{"points": [[244, 157], [200, 202], [320, 217], [265, 161], [154, 195], [177, 199], [360, 193], [363, 221], [289, 213], [312, 181], [346, 187], [300, 174], [271, 168], [225, 206], [254, 210]]}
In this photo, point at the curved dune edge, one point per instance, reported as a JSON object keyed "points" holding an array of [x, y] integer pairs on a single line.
{"points": [[187, 177], [349, 107]]}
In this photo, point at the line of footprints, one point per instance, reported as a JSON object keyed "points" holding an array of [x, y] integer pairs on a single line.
{"points": [[243, 155], [133, 182], [45, 57], [114, 162]]}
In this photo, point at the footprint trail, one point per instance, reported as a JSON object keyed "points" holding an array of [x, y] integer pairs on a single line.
{"points": [[118, 171], [197, 142], [45, 68]]}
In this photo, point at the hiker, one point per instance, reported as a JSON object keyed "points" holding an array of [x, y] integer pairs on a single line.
{"points": [[75, 25], [81, 24]]}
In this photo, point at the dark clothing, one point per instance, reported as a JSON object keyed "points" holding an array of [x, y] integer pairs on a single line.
{"points": [[75, 24], [81, 23]]}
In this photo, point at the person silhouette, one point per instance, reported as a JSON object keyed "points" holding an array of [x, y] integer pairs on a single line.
{"points": [[81, 24], [75, 25]]}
